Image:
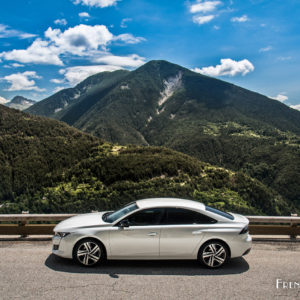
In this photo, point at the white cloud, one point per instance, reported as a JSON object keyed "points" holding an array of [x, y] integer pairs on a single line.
{"points": [[202, 19], [124, 21], [97, 3], [266, 49], [61, 22], [128, 38], [204, 7], [16, 65], [58, 88], [200, 9], [243, 18], [297, 106], [122, 61], [39, 52], [7, 32], [3, 100], [84, 15], [81, 40], [26, 36], [76, 74], [228, 67], [280, 97], [57, 81], [284, 58], [23, 81]]}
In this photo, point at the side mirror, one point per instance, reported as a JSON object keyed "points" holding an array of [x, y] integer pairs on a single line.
{"points": [[124, 223]]}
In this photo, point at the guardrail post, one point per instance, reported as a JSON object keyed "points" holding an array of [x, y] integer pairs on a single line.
{"points": [[22, 225], [293, 225]]}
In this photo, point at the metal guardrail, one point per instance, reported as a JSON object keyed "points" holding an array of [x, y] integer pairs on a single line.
{"points": [[25, 217], [259, 225]]}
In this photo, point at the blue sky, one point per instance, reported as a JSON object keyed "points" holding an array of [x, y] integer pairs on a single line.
{"points": [[52, 44]]}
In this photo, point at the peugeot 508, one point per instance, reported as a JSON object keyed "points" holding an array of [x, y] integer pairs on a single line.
{"points": [[158, 228]]}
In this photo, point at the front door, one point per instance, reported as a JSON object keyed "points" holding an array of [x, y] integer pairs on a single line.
{"points": [[140, 240]]}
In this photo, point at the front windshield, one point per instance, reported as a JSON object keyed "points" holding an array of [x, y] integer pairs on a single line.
{"points": [[121, 212]]}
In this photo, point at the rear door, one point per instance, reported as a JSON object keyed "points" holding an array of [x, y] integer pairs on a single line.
{"points": [[182, 232]]}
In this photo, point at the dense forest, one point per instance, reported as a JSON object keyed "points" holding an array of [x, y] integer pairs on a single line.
{"points": [[47, 166], [34, 150]]}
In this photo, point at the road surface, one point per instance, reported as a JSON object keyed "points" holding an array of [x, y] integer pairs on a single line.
{"points": [[28, 270]]}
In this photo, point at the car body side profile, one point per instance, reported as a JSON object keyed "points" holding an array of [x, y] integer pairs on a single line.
{"points": [[158, 228]]}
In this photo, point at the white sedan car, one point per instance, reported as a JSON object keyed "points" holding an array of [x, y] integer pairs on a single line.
{"points": [[160, 228]]}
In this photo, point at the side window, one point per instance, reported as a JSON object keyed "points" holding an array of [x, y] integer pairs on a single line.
{"points": [[151, 216], [184, 216]]}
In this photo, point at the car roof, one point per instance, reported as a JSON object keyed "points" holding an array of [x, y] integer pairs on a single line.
{"points": [[170, 202]]}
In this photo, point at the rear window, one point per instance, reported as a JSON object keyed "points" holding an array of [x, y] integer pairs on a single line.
{"points": [[219, 212], [175, 216]]}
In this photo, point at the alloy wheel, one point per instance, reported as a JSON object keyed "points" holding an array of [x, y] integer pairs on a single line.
{"points": [[88, 253], [214, 255]]}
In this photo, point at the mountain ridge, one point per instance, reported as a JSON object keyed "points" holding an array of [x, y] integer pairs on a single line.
{"points": [[62, 100], [163, 104], [20, 103]]}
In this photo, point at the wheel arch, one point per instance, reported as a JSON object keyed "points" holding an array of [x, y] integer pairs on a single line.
{"points": [[214, 240], [90, 238]]}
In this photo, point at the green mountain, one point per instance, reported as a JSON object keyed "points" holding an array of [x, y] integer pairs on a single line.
{"points": [[47, 166], [59, 104], [34, 150], [163, 104], [20, 103]]}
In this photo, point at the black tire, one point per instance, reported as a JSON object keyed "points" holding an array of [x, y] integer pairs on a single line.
{"points": [[213, 254], [88, 252]]}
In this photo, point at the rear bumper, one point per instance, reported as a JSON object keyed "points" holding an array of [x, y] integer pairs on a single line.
{"points": [[241, 246]]}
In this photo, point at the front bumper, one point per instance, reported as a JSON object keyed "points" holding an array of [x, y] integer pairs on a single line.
{"points": [[62, 246], [247, 251]]}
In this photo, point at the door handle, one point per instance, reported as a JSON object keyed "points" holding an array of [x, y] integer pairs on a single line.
{"points": [[152, 233], [197, 232], [126, 228]]}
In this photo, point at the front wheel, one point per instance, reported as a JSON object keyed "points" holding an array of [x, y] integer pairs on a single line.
{"points": [[88, 252], [213, 254]]}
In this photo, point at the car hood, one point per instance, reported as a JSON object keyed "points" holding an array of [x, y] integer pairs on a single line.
{"points": [[80, 221], [240, 218]]}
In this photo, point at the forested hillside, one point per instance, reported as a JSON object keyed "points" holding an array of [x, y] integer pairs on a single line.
{"points": [[35, 150], [47, 166]]}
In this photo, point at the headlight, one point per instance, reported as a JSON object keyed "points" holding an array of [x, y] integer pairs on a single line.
{"points": [[62, 234]]}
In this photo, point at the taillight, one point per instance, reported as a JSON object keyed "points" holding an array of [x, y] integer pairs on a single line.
{"points": [[245, 230]]}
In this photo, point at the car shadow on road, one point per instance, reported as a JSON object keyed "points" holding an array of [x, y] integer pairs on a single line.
{"points": [[114, 268]]}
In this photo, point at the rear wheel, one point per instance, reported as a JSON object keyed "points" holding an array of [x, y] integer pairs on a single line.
{"points": [[88, 252], [213, 254]]}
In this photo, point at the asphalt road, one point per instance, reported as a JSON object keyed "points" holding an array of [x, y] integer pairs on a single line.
{"points": [[28, 270]]}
